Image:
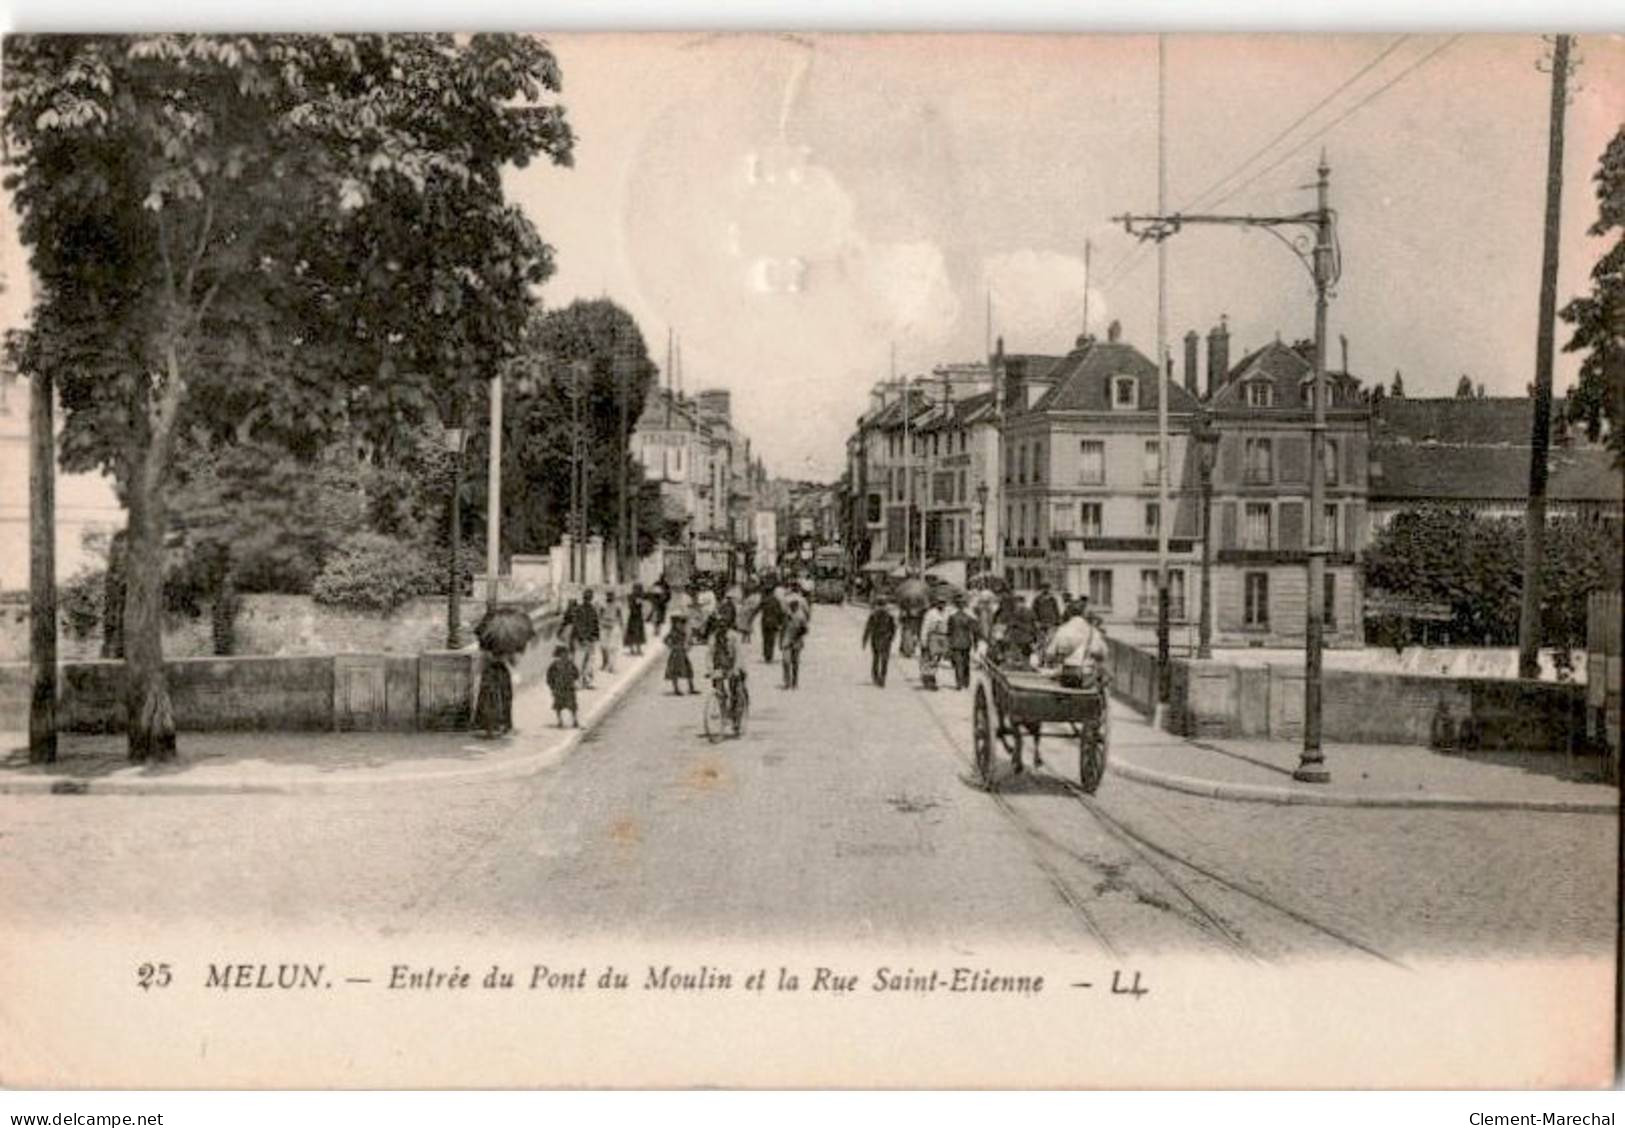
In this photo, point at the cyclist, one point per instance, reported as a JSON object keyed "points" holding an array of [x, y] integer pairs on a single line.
{"points": [[726, 674]]}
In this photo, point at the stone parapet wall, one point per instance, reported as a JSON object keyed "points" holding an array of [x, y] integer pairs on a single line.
{"points": [[1217, 699]]}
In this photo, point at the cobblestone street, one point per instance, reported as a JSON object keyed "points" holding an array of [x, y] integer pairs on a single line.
{"points": [[846, 812]]}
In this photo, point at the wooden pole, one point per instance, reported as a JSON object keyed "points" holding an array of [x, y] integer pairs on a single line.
{"points": [[1534, 537], [42, 569]]}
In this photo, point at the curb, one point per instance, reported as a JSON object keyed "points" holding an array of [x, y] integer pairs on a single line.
{"points": [[1292, 797], [515, 768]]}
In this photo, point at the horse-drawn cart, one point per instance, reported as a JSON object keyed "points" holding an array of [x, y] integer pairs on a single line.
{"points": [[1010, 702]]}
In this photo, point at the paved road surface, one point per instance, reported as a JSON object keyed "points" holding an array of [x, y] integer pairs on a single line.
{"points": [[846, 813]]}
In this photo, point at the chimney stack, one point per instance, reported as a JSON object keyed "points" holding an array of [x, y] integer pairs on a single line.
{"points": [[1192, 338], [1344, 338], [1218, 355], [1114, 331]]}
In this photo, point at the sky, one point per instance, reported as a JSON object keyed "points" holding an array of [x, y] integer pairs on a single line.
{"points": [[795, 208]]}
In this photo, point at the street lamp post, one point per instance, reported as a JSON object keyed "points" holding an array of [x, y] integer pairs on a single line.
{"points": [[981, 526], [1320, 256], [454, 437], [1207, 448]]}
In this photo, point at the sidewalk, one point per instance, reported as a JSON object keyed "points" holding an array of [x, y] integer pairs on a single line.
{"points": [[222, 763], [1363, 775]]}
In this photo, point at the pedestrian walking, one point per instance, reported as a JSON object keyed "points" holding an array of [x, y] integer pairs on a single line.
{"points": [[678, 667], [1046, 612], [749, 608], [772, 613], [635, 635], [933, 641], [561, 680], [659, 596], [963, 631], [584, 636], [792, 638], [878, 631], [611, 626]]}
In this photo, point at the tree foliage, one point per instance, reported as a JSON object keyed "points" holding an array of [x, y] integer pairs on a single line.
{"points": [[1473, 565], [604, 340], [1598, 399], [277, 240]]}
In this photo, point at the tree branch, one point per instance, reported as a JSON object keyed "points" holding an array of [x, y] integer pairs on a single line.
{"points": [[202, 245], [163, 252]]}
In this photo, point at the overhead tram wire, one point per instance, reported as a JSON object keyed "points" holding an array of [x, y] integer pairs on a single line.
{"points": [[1125, 267], [1339, 119], [1198, 199]]}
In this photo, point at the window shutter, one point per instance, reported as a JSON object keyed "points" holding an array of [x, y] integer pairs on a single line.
{"points": [[1187, 520], [1229, 459], [1293, 451], [1227, 525], [1292, 526], [1354, 518], [1353, 448]]}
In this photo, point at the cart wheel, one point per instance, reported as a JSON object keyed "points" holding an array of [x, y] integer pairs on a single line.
{"points": [[712, 717], [982, 734], [1091, 758]]}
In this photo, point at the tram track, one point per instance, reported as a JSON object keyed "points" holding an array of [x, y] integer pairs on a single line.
{"points": [[1158, 859]]}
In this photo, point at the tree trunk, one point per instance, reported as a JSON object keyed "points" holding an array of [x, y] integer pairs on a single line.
{"points": [[149, 721]]}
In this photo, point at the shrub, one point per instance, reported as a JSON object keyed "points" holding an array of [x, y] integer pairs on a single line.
{"points": [[79, 602], [371, 572]]}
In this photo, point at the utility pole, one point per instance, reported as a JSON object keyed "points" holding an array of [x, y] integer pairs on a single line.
{"points": [[1534, 535], [575, 471], [1324, 265], [493, 505], [623, 551], [1089, 247], [42, 566], [1164, 674], [996, 471]]}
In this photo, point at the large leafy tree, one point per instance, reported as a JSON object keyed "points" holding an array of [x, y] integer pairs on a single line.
{"points": [[602, 342], [1599, 318], [1473, 566], [280, 240]]}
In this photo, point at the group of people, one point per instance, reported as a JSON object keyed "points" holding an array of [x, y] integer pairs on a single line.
{"points": [[727, 623], [591, 629], [1059, 634]]}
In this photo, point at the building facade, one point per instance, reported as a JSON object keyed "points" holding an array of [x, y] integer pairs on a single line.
{"points": [[1082, 508], [1263, 410]]}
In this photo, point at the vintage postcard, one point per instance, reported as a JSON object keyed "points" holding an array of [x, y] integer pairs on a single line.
{"points": [[747, 560]]}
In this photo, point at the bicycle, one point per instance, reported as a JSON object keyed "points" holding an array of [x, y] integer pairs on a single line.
{"points": [[727, 706]]}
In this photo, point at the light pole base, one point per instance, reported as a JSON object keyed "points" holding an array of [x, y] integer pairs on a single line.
{"points": [[1312, 771]]}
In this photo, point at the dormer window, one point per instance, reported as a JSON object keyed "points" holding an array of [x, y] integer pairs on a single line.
{"points": [[1125, 393], [1259, 393]]}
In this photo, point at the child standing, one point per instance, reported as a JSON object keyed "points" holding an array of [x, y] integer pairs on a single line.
{"points": [[561, 679]]}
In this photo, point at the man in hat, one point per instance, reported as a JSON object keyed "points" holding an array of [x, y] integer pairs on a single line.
{"points": [[1079, 647], [933, 640], [963, 630], [878, 631], [584, 634], [772, 612], [1047, 611]]}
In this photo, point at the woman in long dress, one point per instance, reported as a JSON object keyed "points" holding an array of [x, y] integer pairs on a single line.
{"points": [[493, 708], [635, 636], [678, 667]]}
